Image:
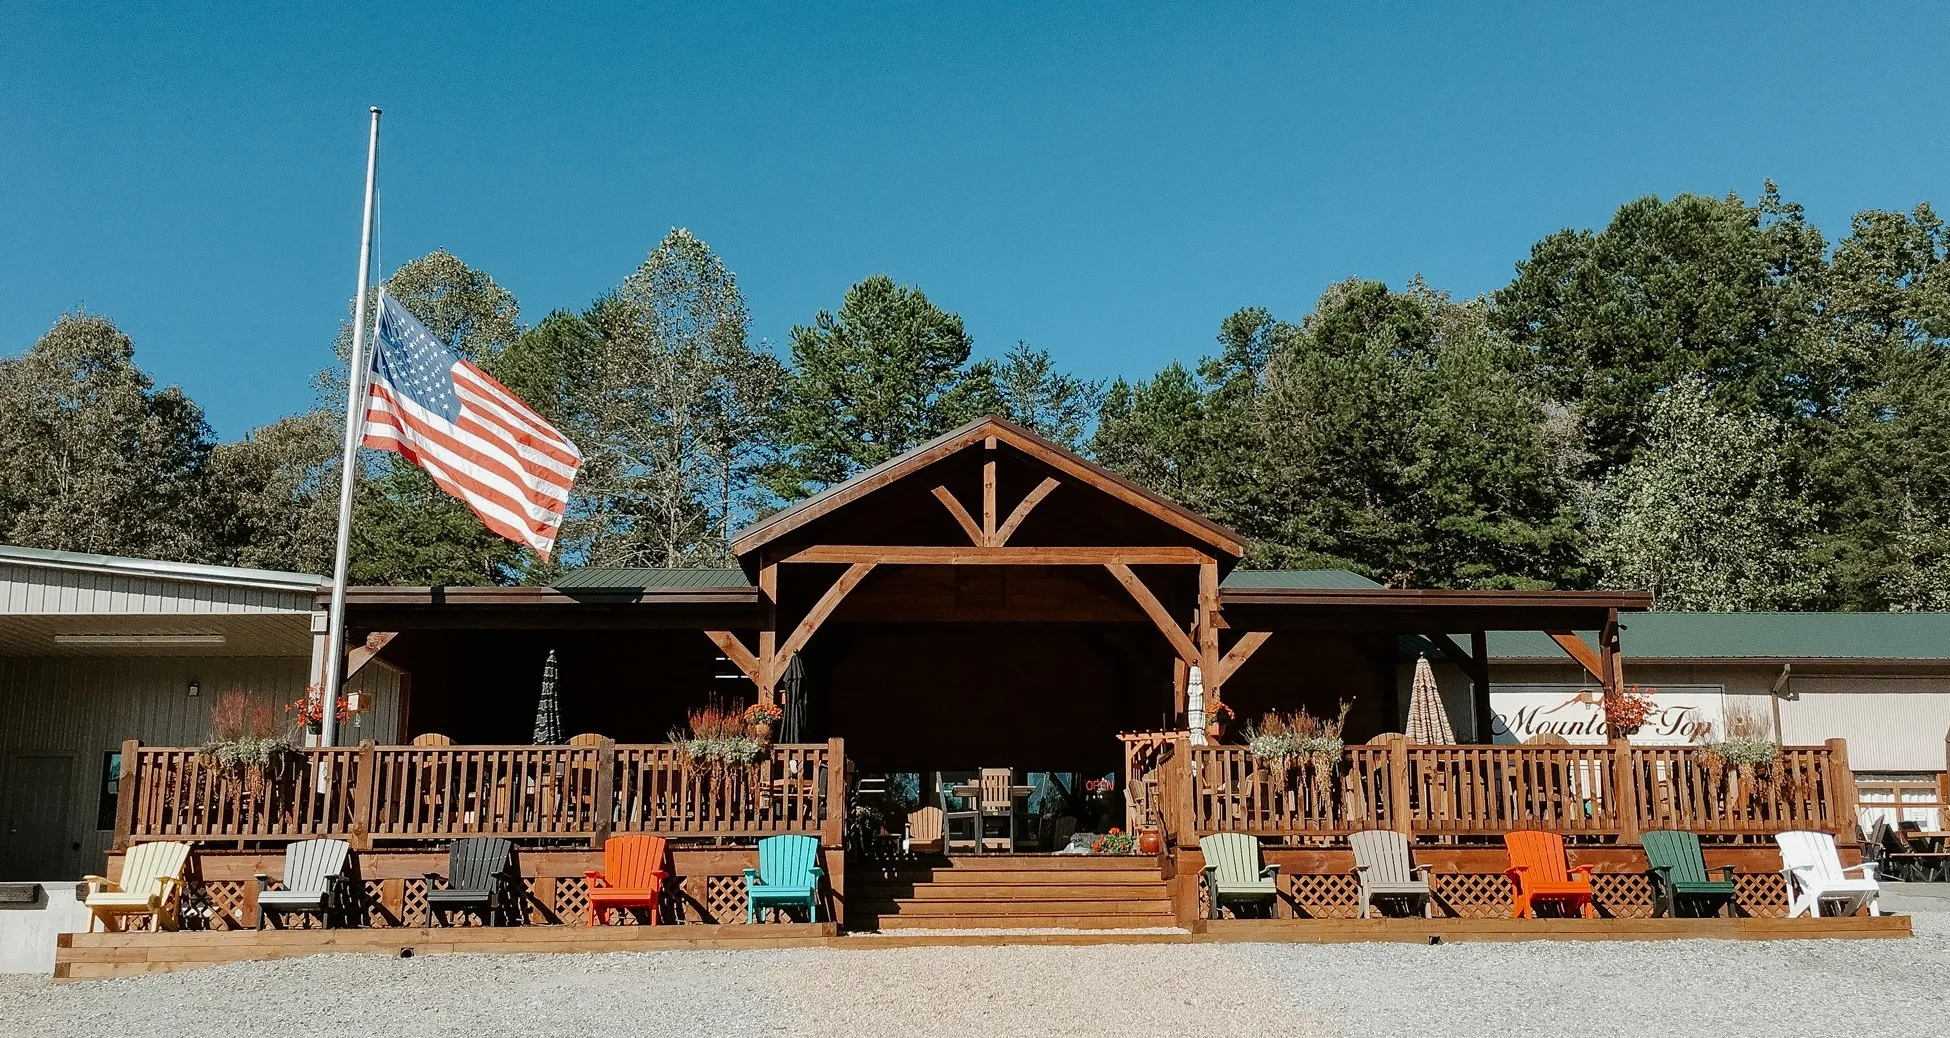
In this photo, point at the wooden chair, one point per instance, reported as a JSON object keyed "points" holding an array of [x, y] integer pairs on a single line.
{"points": [[151, 885], [586, 739], [481, 878], [1680, 883], [431, 739], [787, 876], [1814, 874], [1383, 868], [997, 801], [957, 810], [1234, 876], [1537, 871], [923, 830], [632, 877], [317, 879]]}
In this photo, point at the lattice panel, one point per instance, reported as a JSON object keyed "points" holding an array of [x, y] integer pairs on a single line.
{"points": [[572, 899], [1624, 895], [1761, 894], [212, 904], [1323, 897], [1473, 895], [413, 903], [724, 899]]}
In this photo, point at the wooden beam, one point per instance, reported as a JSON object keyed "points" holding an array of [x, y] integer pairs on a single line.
{"points": [[1180, 641], [820, 611], [1608, 650], [376, 643], [988, 496], [968, 524], [735, 651], [1208, 638], [933, 555], [1230, 663], [1479, 687], [1022, 510], [1576, 648]]}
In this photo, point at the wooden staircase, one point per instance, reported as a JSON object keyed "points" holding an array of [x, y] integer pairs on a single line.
{"points": [[1008, 890]]}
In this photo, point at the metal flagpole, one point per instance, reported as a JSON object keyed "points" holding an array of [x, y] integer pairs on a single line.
{"points": [[355, 392]]}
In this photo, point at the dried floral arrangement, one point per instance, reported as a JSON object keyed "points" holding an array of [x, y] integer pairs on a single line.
{"points": [[1297, 740], [1741, 751], [719, 738], [1628, 708], [245, 735]]}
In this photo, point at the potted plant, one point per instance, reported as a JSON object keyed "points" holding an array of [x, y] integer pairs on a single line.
{"points": [[759, 718], [1742, 751], [1627, 709], [719, 741], [1116, 841], [246, 743]]}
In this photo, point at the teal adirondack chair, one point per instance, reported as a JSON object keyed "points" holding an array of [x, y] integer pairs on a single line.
{"points": [[1234, 875], [1679, 878], [788, 875]]}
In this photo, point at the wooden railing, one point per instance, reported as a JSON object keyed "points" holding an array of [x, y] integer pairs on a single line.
{"points": [[1597, 793], [542, 793]]}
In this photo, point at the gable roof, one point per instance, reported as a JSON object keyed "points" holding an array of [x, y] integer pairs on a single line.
{"points": [[186, 572], [765, 531]]}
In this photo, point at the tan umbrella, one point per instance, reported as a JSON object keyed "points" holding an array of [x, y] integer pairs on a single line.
{"points": [[1428, 720]]}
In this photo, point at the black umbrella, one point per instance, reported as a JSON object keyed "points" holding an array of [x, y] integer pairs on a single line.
{"points": [[548, 712], [792, 685]]}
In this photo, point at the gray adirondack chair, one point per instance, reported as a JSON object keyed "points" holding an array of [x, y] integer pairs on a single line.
{"points": [[317, 879], [1234, 875], [1383, 868], [481, 878]]}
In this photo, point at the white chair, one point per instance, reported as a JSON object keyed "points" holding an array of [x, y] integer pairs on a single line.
{"points": [[1814, 874]]}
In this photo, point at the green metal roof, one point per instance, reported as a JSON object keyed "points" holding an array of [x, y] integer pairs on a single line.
{"points": [[645, 577], [1861, 636], [1299, 579]]}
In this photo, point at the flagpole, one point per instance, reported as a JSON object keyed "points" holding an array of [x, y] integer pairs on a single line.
{"points": [[355, 391]]}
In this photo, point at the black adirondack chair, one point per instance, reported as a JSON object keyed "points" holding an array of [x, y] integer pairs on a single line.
{"points": [[481, 878]]}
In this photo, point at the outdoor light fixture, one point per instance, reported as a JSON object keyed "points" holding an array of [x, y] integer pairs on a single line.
{"points": [[137, 640], [195, 690]]}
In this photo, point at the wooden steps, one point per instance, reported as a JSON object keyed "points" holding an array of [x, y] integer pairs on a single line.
{"points": [[1010, 891]]}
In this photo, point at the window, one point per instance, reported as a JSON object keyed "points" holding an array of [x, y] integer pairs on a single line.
{"points": [[111, 778], [1895, 799]]}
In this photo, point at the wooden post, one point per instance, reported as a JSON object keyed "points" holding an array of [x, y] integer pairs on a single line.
{"points": [[1614, 663], [988, 495], [365, 791], [833, 829], [1398, 809], [604, 800], [127, 789], [1624, 791], [1208, 638], [1842, 794], [1178, 769], [1479, 687], [768, 629], [1181, 684]]}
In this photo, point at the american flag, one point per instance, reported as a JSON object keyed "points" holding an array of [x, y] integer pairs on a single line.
{"points": [[474, 437]]}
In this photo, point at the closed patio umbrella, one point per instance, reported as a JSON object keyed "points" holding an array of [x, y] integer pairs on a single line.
{"points": [[548, 712], [1428, 719], [792, 686]]}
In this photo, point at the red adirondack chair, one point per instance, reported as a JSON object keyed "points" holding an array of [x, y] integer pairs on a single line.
{"points": [[632, 877], [1537, 872]]}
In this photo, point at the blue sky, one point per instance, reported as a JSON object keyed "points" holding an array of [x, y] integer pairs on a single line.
{"points": [[1103, 180]]}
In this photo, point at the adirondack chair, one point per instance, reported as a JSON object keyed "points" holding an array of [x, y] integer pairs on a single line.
{"points": [[923, 830], [481, 878], [151, 885], [1814, 874], [788, 875], [1537, 871], [997, 802], [1680, 884], [317, 878], [1384, 869], [632, 877], [432, 739], [1234, 875]]}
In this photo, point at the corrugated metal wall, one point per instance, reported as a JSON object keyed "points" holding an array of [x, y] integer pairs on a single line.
{"points": [[1891, 723], [45, 589], [66, 712]]}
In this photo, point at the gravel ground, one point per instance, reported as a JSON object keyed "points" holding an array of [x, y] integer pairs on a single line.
{"points": [[1711, 988]]}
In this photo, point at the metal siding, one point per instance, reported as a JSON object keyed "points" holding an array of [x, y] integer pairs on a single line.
{"points": [[1891, 724], [35, 589], [88, 706]]}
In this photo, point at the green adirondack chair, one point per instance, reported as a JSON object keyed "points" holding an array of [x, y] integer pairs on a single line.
{"points": [[787, 876], [1234, 875], [1679, 879]]}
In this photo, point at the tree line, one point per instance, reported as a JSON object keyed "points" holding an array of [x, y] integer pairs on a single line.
{"points": [[1704, 399]]}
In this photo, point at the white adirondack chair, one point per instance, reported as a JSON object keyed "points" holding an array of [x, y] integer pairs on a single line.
{"points": [[1814, 874]]}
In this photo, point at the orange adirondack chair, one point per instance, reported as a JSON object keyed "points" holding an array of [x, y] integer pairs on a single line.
{"points": [[1537, 872], [632, 877]]}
